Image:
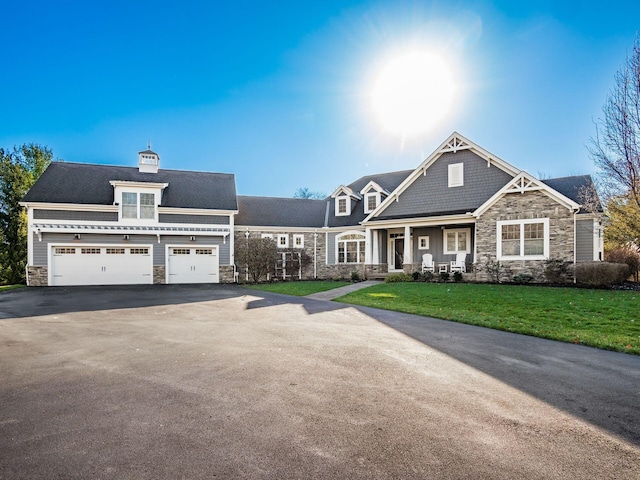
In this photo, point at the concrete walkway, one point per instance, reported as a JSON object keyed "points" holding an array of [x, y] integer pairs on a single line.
{"points": [[338, 292]]}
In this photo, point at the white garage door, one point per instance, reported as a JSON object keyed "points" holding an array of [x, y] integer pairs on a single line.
{"points": [[193, 264], [100, 265]]}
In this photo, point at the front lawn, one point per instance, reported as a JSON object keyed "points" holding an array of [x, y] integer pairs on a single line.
{"points": [[4, 288], [299, 289], [599, 318]]}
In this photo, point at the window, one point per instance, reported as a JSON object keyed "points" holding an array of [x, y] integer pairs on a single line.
{"points": [[371, 202], [204, 251], [298, 241], [350, 248], [115, 251], [65, 251], [283, 240], [457, 241], [523, 239], [343, 206], [90, 251], [423, 243], [142, 251], [456, 175], [267, 235], [177, 251], [130, 204]]}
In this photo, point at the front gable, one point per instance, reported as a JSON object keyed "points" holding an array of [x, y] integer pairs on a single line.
{"points": [[456, 179]]}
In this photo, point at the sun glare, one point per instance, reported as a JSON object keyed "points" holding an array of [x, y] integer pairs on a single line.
{"points": [[412, 93]]}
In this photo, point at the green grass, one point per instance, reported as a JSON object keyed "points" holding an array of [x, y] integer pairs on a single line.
{"points": [[299, 289], [604, 319], [4, 288]]}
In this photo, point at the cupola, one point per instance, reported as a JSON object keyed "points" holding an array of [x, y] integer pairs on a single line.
{"points": [[148, 161]]}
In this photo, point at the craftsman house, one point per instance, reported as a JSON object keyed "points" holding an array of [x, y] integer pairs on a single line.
{"points": [[462, 208]]}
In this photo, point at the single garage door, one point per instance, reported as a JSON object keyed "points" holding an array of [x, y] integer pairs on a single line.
{"points": [[193, 264], [100, 265]]}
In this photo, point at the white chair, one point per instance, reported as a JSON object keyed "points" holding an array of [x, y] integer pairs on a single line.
{"points": [[427, 263], [459, 264]]}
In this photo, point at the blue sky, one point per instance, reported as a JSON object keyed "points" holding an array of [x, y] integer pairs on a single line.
{"points": [[278, 92]]}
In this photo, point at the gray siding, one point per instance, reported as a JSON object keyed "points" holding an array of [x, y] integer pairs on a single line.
{"points": [[331, 248], [195, 219], [431, 194], [584, 240], [41, 248], [83, 216], [436, 244]]}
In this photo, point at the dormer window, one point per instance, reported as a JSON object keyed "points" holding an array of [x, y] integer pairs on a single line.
{"points": [[343, 206], [372, 200], [138, 205]]}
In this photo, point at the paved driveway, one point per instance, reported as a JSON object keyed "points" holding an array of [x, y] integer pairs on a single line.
{"points": [[222, 382]]}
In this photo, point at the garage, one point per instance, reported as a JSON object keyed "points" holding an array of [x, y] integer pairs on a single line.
{"points": [[100, 265], [192, 264]]}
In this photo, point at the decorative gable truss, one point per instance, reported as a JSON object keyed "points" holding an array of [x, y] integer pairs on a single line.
{"points": [[373, 195], [522, 184], [343, 198]]}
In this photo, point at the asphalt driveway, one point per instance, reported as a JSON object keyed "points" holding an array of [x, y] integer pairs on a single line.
{"points": [[223, 382]]}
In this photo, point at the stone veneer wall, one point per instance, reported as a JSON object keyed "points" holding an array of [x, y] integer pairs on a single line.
{"points": [[159, 276], [517, 206], [226, 274], [38, 276]]}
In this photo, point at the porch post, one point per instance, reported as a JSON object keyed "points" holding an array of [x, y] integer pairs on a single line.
{"points": [[408, 257], [375, 254], [367, 246]]}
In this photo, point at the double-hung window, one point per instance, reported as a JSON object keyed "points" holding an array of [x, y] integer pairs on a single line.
{"points": [[523, 239], [457, 241], [138, 205], [350, 248]]}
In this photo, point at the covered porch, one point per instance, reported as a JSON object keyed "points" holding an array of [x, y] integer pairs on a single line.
{"points": [[394, 248]]}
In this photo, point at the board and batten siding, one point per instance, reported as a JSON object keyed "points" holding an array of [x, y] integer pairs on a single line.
{"points": [[41, 248], [584, 240], [77, 215]]}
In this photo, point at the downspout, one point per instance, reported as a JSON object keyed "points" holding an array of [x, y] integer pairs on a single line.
{"points": [[315, 254], [575, 244]]}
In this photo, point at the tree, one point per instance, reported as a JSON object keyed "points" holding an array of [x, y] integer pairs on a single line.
{"points": [[304, 192], [616, 146], [19, 169], [257, 255]]}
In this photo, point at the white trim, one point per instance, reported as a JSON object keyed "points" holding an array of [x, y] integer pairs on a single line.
{"points": [[189, 246], [454, 143], [339, 239], [446, 231], [423, 221], [297, 236], [522, 222], [377, 196], [70, 206], [163, 229], [455, 177], [426, 241], [521, 184], [284, 236], [195, 211], [143, 185], [347, 211]]}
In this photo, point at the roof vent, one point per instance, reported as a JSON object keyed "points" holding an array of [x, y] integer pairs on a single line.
{"points": [[148, 161]]}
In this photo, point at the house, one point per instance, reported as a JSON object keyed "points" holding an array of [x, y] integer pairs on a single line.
{"points": [[180, 227]]}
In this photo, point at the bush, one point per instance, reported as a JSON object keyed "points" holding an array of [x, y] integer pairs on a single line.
{"points": [[522, 278], [416, 276], [557, 271], [457, 277], [355, 277], [628, 255], [427, 276], [601, 274], [398, 277], [444, 276]]}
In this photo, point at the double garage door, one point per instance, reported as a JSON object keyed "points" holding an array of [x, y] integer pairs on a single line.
{"points": [[126, 265]]}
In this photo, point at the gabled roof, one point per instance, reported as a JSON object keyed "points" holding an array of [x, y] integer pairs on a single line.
{"points": [[388, 181], [373, 186], [344, 190], [280, 212], [525, 182], [454, 143], [574, 187], [79, 183]]}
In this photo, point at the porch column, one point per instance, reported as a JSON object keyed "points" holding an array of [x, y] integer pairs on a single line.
{"points": [[408, 257], [367, 246], [374, 251]]}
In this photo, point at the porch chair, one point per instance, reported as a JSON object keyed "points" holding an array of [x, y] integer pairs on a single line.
{"points": [[427, 263], [459, 264]]}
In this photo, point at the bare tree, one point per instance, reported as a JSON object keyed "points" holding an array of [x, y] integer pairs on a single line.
{"points": [[257, 255], [615, 149], [304, 192]]}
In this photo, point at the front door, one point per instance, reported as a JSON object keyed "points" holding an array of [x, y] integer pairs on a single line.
{"points": [[398, 253]]}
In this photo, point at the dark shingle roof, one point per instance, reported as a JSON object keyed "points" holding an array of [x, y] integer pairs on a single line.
{"points": [[572, 187], [280, 212], [80, 183], [388, 181]]}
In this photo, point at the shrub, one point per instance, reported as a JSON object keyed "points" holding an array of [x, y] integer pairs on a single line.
{"points": [[427, 276], [398, 277], [444, 276], [495, 270], [457, 276], [628, 255], [355, 277], [601, 274], [416, 276], [522, 278], [557, 271]]}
